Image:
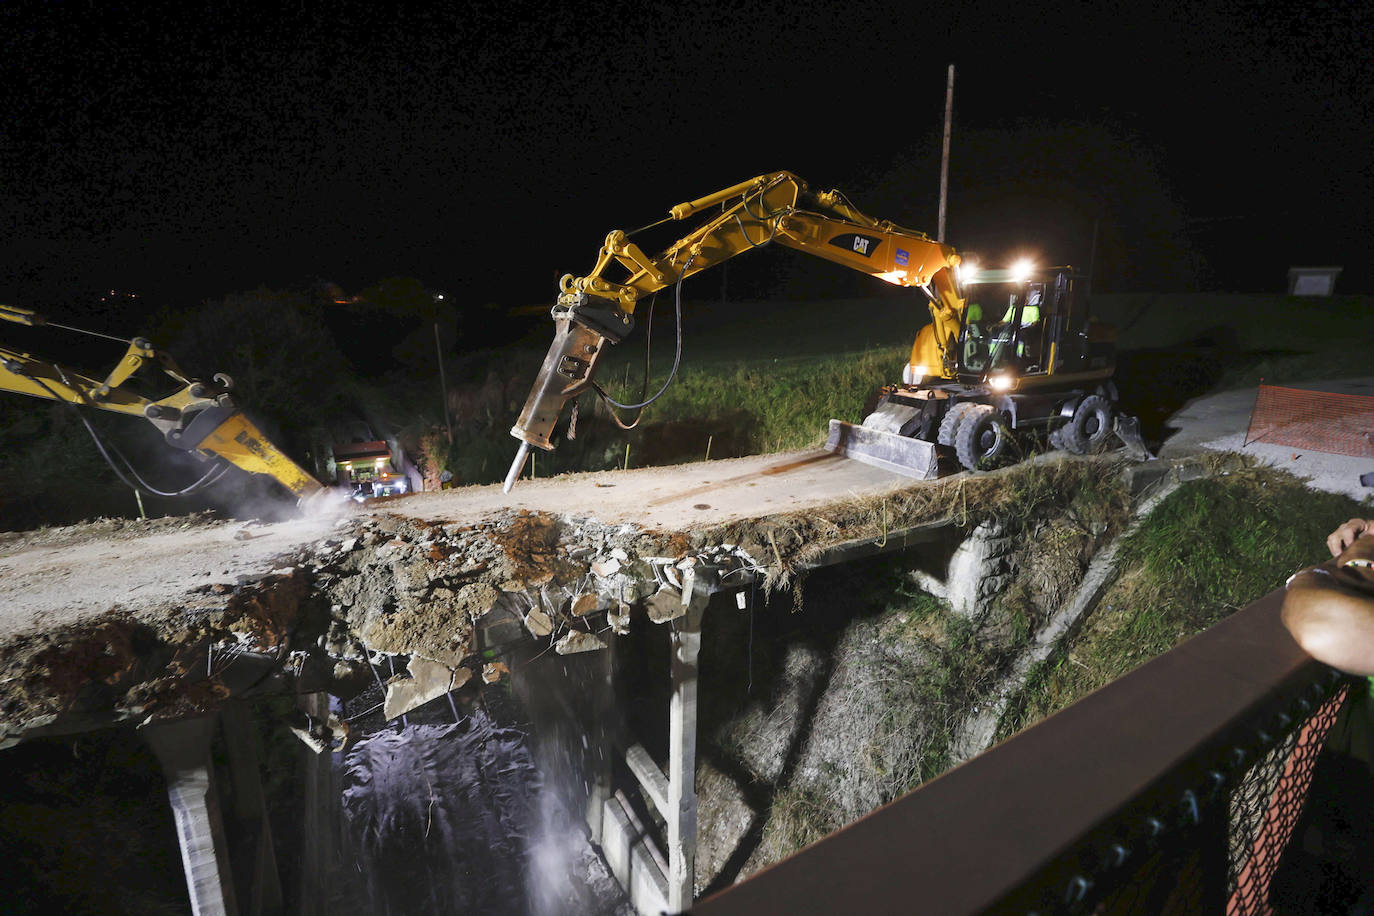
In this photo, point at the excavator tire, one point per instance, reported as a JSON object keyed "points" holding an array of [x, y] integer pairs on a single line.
{"points": [[982, 439], [1090, 427], [949, 425]]}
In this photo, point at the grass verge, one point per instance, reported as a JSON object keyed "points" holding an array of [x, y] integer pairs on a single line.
{"points": [[1283, 368], [1212, 547]]}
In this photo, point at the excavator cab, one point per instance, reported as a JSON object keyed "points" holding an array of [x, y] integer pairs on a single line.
{"points": [[1026, 357], [1007, 328]]}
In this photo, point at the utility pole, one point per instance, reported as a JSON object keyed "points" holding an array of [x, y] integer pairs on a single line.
{"points": [[1092, 258], [443, 383], [944, 156]]}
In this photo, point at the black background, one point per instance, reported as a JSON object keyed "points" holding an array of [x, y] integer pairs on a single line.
{"points": [[183, 153]]}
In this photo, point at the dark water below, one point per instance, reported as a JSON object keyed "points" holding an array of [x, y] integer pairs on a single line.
{"points": [[476, 816]]}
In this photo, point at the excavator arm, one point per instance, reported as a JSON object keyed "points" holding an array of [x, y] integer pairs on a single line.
{"points": [[595, 309], [196, 416], [771, 208]]}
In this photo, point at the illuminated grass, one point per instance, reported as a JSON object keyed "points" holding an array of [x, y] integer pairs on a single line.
{"points": [[1212, 547]]}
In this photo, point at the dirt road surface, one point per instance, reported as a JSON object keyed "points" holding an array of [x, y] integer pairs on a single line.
{"points": [[674, 498], [88, 573], [91, 573]]}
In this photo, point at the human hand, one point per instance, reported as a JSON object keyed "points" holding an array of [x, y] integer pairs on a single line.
{"points": [[1347, 534]]}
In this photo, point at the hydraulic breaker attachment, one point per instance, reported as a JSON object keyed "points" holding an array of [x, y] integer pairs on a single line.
{"points": [[881, 449], [227, 433], [583, 324]]}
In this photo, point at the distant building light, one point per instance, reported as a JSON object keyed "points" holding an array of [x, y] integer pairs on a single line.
{"points": [[1312, 281]]}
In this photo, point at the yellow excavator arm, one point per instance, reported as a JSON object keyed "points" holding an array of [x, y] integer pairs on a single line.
{"points": [[197, 416], [771, 208], [595, 309]]}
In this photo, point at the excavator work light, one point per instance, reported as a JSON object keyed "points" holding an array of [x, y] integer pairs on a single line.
{"points": [[1001, 382], [1022, 270], [912, 375]]}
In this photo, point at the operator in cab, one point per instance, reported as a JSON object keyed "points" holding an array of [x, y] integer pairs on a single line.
{"points": [[996, 339]]}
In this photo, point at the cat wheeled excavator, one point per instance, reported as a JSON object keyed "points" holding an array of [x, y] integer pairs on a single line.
{"points": [[195, 416], [1005, 350], [1024, 355]]}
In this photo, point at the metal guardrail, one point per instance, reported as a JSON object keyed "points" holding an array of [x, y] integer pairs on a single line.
{"points": [[1172, 789]]}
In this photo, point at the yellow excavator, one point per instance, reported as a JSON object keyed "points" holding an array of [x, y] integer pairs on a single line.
{"points": [[198, 417], [1006, 350]]}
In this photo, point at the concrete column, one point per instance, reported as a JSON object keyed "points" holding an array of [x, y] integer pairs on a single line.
{"points": [[601, 774], [319, 845], [183, 748], [682, 754], [262, 894]]}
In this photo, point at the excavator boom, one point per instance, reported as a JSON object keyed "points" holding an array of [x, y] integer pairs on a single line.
{"points": [[196, 416], [595, 309]]}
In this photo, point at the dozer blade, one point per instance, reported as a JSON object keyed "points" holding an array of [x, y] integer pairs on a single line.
{"points": [[889, 451]]}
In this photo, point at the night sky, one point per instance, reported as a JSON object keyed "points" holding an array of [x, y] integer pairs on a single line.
{"points": [[487, 148]]}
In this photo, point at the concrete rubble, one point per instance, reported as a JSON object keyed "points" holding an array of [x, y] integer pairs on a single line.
{"points": [[443, 599], [142, 621]]}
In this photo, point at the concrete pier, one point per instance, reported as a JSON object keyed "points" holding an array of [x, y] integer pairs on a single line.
{"points": [[183, 749]]}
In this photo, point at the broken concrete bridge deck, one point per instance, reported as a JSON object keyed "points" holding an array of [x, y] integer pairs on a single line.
{"points": [[130, 620], [681, 497], [57, 577]]}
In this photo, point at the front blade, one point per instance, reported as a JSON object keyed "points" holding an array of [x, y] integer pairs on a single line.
{"points": [[889, 451]]}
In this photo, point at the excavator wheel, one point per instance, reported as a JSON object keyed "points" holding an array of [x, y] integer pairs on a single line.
{"points": [[982, 438], [949, 425], [1090, 427]]}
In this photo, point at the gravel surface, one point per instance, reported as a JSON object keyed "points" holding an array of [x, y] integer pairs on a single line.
{"points": [[62, 576], [1219, 422]]}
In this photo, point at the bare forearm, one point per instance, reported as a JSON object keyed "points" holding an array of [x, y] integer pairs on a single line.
{"points": [[1329, 609], [1332, 625]]}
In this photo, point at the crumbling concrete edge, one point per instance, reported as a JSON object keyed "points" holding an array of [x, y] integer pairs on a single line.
{"points": [[121, 667]]}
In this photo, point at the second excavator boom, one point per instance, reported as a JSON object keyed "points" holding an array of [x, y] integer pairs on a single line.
{"points": [[195, 416]]}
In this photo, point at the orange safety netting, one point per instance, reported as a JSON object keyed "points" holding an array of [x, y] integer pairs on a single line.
{"points": [[1265, 809], [1228, 863], [1318, 421]]}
